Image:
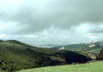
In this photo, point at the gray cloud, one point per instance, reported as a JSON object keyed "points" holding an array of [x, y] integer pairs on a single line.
{"points": [[96, 29], [38, 15], [51, 20], [56, 36]]}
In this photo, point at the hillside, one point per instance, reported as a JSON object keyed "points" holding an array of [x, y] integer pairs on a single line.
{"points": [[88, 67], [15, 55], [93, 48], [100, 57]]}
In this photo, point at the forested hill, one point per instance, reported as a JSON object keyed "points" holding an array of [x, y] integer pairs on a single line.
{"points": [[15, 55]]}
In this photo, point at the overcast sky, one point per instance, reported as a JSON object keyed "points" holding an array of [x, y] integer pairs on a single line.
{"points": [[49, 22]]}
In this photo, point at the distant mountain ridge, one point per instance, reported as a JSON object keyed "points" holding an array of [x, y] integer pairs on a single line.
{"points": [[93, 47]]}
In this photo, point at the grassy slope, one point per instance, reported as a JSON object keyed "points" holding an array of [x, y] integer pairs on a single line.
{"points": [[15, 56], [89, 67], [2, 71], [18, 55]]}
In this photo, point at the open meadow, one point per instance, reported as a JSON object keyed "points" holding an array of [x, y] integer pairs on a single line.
{"points": [[88, 67]]}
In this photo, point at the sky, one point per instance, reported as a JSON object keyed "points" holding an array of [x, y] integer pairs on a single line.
{"points": [[51, 22]]}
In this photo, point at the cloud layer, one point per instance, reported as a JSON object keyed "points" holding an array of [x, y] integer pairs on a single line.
{"points": [[51, 21]]}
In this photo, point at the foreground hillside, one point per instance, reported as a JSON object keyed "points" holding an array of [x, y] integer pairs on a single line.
{"points": [[15, 55], [88, 67]]}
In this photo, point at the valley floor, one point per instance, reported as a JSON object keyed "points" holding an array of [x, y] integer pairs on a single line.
{"points": [[88, 67]]}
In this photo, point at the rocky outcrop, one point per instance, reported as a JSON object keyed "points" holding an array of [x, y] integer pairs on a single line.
{"points": [[92, 56]]}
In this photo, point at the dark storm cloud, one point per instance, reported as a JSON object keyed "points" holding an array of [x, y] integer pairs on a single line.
{"points": [[42, 14]]}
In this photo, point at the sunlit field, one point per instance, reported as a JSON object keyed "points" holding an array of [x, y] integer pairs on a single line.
{"points": [[89, 67]]}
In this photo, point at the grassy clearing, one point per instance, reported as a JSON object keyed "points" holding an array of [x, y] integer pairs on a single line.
{"points": [[2, 71], [89, 67]]}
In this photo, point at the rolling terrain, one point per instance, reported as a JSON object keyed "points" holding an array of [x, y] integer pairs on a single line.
{"points": [[93, 47], [15, 55]]}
